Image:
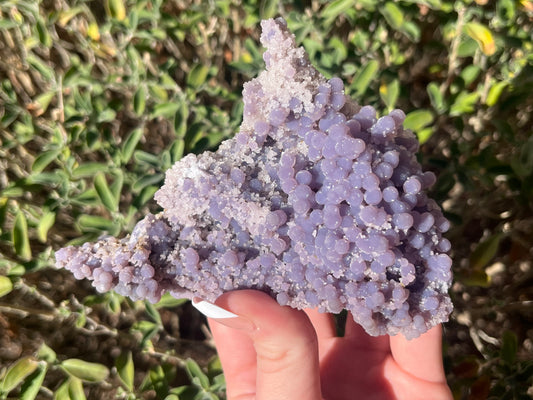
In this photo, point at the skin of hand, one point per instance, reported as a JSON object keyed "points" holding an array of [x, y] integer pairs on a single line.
{"points": [[272, 352]]}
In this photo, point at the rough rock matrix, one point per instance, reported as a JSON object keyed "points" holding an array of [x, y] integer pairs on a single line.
{"points": [[315, 200]]}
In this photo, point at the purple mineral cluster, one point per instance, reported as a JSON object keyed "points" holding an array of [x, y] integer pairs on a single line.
{"points": [[316, 201]]}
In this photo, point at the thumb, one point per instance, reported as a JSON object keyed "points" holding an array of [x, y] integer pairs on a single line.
{"points": [[285, 344]]}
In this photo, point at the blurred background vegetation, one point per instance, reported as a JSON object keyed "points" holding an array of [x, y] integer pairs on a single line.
{"points": [[99, 98]]}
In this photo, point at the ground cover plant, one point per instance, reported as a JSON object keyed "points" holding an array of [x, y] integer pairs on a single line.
{"points": [[98, 99]]}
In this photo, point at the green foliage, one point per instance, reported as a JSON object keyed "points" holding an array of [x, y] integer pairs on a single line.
{"points": [[98, 99]]}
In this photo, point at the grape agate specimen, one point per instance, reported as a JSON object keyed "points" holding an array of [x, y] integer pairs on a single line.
{"points": [[316, 201]]}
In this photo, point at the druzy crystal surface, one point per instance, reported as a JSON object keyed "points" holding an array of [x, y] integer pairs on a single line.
{"points": [[316, 201]]}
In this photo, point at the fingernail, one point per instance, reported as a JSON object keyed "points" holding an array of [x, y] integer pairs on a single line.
{"points": [[222, 315]]}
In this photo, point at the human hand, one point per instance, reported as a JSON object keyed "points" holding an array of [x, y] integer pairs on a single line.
{"points": [[270, 352]]}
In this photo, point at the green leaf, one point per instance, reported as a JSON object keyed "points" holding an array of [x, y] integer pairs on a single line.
{"points": [[116, 9], [148, 330], [62, 392], [483, 36], [104, 193], [126, 369], [393, 15], [106, 115], [196, 374], [509, 347], [389, 93], [470, 74], [147, 180], [180, 120], [177, 149], [166, 110], [30, 388], [363, 78], [44, 99], [485, 251], [17, 372], [153, 313], [94, 222], [43, 159], [436, 98], [21, 241], [336, 8], [495, 92], [168, 301], [75, 389], [46, 221], [197, 76], [6, 285], [129, 145], [464, 104], [139, 100], [418, 119], [268, 8], [88, 169], [47, 354], [86, 371]]}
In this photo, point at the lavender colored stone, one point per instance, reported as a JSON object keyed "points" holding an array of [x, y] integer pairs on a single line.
{"points": [[316, 201]]}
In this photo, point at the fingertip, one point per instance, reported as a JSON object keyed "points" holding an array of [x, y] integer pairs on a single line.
{"points": [[420, 357], [285, 342]]}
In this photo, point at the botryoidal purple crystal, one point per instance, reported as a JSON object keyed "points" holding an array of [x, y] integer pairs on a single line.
{"points": [[316, 201]]}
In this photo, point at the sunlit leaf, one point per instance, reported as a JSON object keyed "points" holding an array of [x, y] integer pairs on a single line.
{"points": [[93, 32], [495, 92], [75, 389], [389, 93], [104, 193], [197, 76], [44, 159], [196, 374], [464, 103], [86, 371], [46, 353], [364, 77], [139, 100], [436, 98], [126, 369], [116, 9], [45, 223], [166, 110], [167, 300], [268, 8], [6, 286], [21, 241], [393, 14], [335, 8], [32, 384], [88, 169], [17, 372], [129, 145], [483, 36], [94, 222], [418, 119]]}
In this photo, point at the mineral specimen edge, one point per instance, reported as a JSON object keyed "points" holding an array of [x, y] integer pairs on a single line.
{"points": [[316, 201]]}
